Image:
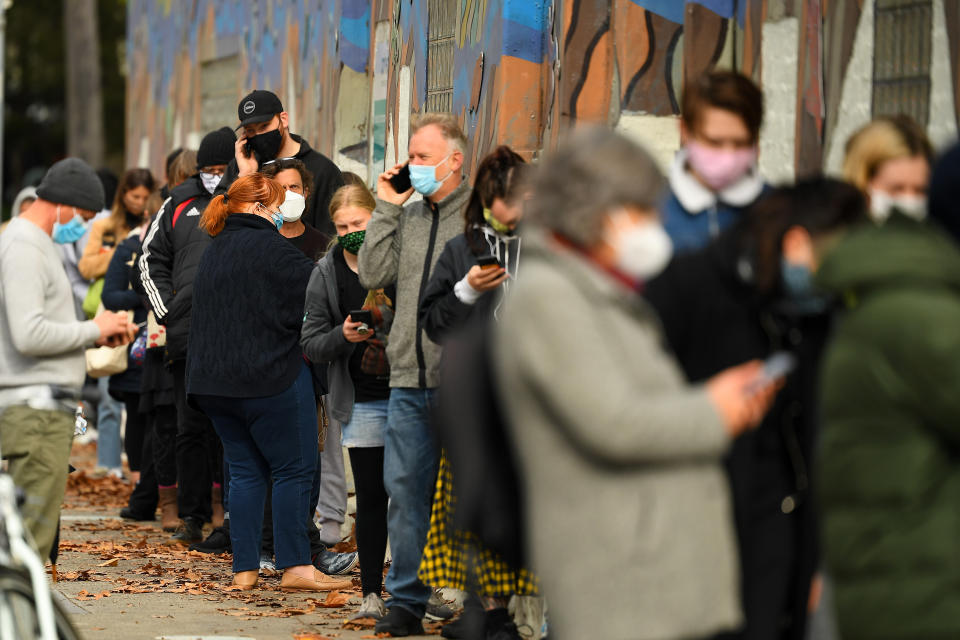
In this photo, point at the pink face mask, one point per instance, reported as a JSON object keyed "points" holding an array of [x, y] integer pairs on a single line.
{"points": [[719, 168]]}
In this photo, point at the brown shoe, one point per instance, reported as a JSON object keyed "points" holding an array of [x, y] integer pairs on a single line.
{"points": [[168, 509], [246, 580], [216, 505], [320, 582]]}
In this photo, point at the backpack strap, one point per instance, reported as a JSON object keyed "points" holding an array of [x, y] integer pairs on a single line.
{"points": [[179, 210]]}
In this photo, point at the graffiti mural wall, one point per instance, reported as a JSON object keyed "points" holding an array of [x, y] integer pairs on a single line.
{"points": [[519, 72]]}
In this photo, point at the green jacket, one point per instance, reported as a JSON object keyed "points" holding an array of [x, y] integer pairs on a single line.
{"points": [[890, 459]]}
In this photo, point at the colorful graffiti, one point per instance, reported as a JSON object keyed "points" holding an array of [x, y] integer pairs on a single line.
{"points": [[352, 72]]}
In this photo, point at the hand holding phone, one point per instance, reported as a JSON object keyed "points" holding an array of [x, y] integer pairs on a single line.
{"points": [[401, 181], [775, 368], [246, 162], [358, 326], [386, 190]]}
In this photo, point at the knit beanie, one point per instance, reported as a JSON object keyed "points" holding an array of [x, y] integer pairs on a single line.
{"points": [[74, 183], [944, 194], [217, 147]]}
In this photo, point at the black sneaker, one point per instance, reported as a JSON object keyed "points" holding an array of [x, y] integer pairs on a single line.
{"points": [[399, 623], [217, 542], [189, 531], [500, 626], [335, 564], [471, 623]]}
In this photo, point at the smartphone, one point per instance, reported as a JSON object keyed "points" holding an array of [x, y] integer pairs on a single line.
{"points": [[401, 181], [488, 262], [362, 315], [777, 367]]}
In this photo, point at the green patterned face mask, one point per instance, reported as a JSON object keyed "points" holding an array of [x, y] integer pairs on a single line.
{"points": [[351, 242], [497, 226]]}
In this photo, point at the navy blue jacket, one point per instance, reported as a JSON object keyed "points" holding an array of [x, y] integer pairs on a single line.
{"points": [[248, 304], [118, 296]]}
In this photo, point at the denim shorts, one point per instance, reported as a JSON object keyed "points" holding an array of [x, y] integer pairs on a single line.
{"points": [[366, 425]]}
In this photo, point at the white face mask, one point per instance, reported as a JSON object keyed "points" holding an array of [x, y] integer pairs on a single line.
{"points": [[293, 206], [642, 250], [882, 204], [210, 181]]}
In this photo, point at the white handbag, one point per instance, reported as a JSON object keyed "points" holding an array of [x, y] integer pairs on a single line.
{"points": [[107, 361]]}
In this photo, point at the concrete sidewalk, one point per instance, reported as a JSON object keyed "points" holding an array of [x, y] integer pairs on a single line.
{"points": [[117, 581]]}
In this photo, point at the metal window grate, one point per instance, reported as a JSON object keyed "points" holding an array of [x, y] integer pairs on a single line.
{"points": [[901, 60], [442, 24]]}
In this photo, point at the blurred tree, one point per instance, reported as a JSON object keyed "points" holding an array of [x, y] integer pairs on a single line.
{"points": [[35, 127], [84, 90]]}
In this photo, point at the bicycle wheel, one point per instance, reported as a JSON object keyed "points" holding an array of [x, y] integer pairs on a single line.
{"points": [[18, 614]]}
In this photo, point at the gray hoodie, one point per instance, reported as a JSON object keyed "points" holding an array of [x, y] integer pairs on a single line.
{"points": [[402, 245]]}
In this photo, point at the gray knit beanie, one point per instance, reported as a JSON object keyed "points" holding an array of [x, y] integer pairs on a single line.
{"points": [[74, 183]]}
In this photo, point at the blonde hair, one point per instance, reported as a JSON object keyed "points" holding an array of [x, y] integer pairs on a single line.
{"points": [[183, 166], [447, 123], [352, 195], [880, 141]]}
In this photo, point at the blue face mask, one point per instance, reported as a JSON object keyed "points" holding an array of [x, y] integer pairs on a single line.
{"points": [[275, 216], [799, 287], [423, 177], [70, 232]]}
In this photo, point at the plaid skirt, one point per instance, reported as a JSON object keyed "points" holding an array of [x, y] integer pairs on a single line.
{"points": [[455, 559]]}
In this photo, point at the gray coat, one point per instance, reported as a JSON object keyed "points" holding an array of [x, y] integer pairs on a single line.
{"points": [[402, 245], [322, 337], [628, 516]]}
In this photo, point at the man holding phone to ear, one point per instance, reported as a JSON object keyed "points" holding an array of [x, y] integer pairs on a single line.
{"points": [[264, 137], [402, 244]]}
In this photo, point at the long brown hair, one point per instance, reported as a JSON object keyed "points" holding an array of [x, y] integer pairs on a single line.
{"points": [[243, 192], [131, 179]]}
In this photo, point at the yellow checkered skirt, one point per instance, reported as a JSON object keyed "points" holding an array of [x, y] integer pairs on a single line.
{"points": [[456, 559]]}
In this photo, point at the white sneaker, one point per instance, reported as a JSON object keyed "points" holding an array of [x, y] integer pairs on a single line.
{"points": [[372, 607], [267, 565]]}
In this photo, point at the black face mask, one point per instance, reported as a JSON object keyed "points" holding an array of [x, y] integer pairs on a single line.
{"points": [[265, 146]]}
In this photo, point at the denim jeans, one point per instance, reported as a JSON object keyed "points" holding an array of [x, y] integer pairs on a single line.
{"points": [[272, 436], [109, 413], [410, 460]]}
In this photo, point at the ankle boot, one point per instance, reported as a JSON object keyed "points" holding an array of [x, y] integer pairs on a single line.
{"points": [[168, 508], [246, 580], [216, 504]]}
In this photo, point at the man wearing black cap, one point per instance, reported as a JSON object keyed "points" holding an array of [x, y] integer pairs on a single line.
{"points": [[266, 137], [42, 364], [171, 253]]}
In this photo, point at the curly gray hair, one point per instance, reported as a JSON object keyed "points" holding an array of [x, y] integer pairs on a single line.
{"points": [[593, 173]]}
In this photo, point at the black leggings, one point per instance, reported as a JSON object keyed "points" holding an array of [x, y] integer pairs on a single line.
{"points": [[136, 430], [367, 465]]}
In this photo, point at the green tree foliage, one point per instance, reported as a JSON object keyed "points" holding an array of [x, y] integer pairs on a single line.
{"points": [[34, 135]]}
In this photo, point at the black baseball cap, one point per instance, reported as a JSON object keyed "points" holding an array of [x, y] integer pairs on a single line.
{"points": [[258, 106]]}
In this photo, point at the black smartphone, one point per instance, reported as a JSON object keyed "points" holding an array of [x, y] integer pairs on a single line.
{"points": [[488, 262], [362, 315], [401, 181]]}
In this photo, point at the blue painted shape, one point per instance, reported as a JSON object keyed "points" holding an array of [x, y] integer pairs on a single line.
{"points": [[353, 56], [521, 41], [673, 10]]}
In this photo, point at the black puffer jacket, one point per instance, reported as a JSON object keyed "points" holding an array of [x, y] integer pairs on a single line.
{"points": [[171, 253], [441, 311], [714, 318]]}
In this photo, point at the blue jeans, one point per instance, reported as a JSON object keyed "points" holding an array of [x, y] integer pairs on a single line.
{"points": [[410, 460], [272, 436], [109, 413]]}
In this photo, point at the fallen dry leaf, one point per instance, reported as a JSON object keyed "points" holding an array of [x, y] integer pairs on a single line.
{"points": [[310, 636], [336, 599], [112, 562]]}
